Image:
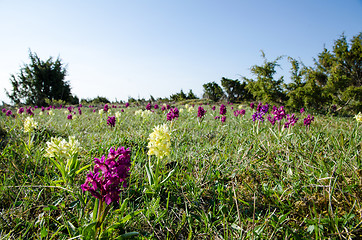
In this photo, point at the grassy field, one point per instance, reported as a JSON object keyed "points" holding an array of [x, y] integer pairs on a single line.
{"points": [[237, 179]]}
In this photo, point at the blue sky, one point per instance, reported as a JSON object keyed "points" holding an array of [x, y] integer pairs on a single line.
{"points": [[120, 49]]}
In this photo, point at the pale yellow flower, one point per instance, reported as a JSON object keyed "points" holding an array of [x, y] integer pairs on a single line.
{"points": [[73, 145], [41, 113], [144, 114], [159, 141], [29, 124], [51, 113], [358, 117], [138, 112], [100, 111], [58, 147], [117, 114]]}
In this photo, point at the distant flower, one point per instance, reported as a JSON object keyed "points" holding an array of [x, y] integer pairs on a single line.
{"points": [[271, 119], [213, 108], [51, 113], [279, 113], [29, 111], [100, 111], [117, 114], [258, 108], [223, 119], [105, 108], [29, 124], [308, 120], [149, 106], [334, 108], [201, 112], [156, 106], [258, 116], [126, 105], [159, 141], [109, 175], [222, 109], [111, 121], [264, 108], [70, 109], [42, 109], [70, 117], [173, 114], [358, 117], [21, 110], [302, 110], [217, 117], [79, 111], [168, 107], [291, 120], [163, 108], [9, 113], [4, 110]]}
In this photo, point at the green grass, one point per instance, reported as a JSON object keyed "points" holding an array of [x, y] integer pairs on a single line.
{"points": [[234, 180]]}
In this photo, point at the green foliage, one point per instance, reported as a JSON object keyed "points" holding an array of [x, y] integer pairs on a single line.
{"points": [[265, 87], [339, 72], [95, 101], [213, 91], [235, 91], [40, 80], [191, 95], [181, 96], [178, 96]]}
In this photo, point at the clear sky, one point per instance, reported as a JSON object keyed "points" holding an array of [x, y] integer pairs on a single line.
{"points": [[137, 48]]}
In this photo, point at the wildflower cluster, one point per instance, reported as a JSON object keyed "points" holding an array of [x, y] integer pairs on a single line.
{"points": [[111, 121], [261, 110], [149, 106], [144, 114], [173, 114], [222, 109], [308, 120], [291, 120], [109, 175], [239, 112], [279, 114], [159, 141], [201, 112]]}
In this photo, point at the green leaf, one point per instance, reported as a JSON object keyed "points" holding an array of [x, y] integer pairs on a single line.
{"points": [[88, 231], [43, 232], [128, 235], [149, 175], [83, 168]]}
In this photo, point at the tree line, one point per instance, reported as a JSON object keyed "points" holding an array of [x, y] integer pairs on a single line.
{"points": [[333, 83]]}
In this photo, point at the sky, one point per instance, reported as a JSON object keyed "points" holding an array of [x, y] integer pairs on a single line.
{"points": [[121, 48]]}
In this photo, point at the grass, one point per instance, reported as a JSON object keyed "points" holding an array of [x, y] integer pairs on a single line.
{"points": [[233, 180]]}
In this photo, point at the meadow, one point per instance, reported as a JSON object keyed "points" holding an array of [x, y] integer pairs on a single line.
{"points": [[233, 175]]}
